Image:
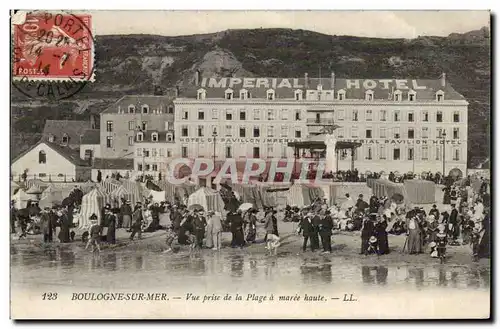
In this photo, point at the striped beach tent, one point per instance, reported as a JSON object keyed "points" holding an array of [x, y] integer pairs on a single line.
{"points": [[54, 194], [110, 184], [136, 190], [92, 203], [118, 194], [209, 199], [177, 190], [302, 195]]}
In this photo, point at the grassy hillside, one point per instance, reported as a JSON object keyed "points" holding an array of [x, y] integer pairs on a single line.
{"points": [[139, 63]]}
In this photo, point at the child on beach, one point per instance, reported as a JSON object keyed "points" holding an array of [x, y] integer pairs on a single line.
{"points": [[95, 233]]}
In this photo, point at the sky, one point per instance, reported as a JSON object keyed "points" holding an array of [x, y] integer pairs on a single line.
{"points": [[380, 24]]}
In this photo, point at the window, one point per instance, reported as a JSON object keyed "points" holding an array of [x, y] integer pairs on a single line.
{"points": [[410, 117], [201, 115], [354, 132], [369, 95], [425, 152], [298, 95], [425, 132], [270, 150], [169, 125], [184, 151], [397, 95], [185, 115], [52, 138], [243, 94], [284, 114], [42, 157], [109, 126], [411, 133], [229, 115], [154, 137], [162, 152], [396, 154], [297, 115], [456, 116], [439, 132], [148, 167], [140, 136], [270, 131], [456, 133], [298, 134], [411, 153], [229, 94], [270, 114], [369, 114], [184, 131], [340, 115], [340, 132], [382, 152], [397, 115], [109, 142], [382, 133], [456, 154], [355, 115], [256, 131], [440, 96], [145, 109], [369, 153], [201, 131], [383, 115], [256, 152], [65, 139], [131, 140], [284, 131], [412, 95], [139, 152], [139, 166], [396, 133], [368, 133], [201, 94], [229, 132], [215, 114], [131, 108], [228, 152], [341, 95], [144, 126], [154, 152], [155, 167], [131, 125], [270, 95], [439, 116], [169, 153], [256, 114], [170, 138], [243, 132], [425, 116], [170, 109], [243, 115]]}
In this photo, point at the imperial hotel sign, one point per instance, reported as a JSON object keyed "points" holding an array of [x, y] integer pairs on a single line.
{"points": [[402, 124]]}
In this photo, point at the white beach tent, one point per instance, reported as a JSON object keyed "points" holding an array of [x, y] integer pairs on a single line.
{"points": [[21, 198], [92, 203], [209, 199]]}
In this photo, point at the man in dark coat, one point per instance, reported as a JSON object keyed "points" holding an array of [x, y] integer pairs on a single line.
{"points": [[125, 215], [305, 226], [111, 221], [455, 230], [361, 204], [325, 231], [315, 221], [176, 218], [236, 223], [367, 230], [137, 222], [434, 212], [199, 224]]}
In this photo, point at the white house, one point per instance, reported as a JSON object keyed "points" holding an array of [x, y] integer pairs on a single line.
{"points": [[50, 162]]}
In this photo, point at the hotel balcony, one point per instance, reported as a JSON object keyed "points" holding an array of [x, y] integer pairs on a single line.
{"points": [[319, 122]]}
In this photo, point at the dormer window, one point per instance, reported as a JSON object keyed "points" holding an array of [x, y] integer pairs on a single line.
{"points": [[270, 95], [341, 95], [298, 95], [243, 94], [440, 96], [170, 137], [140, 136], [131, 108], [170, 109], [154, 137], [229, 94], [369, 95], [412, 96], [201, 94], [397, 95], [65, 139], [52, 138], [145, 109]]}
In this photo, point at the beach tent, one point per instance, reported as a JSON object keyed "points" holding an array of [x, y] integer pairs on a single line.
{"points": [[35, 182], [109, 185], [54, 195], [302, 195], [136, 190], [87, 186], [117, 195], [176, 190], [420, 191], [209, 199], [92, 203], [21, 198]]}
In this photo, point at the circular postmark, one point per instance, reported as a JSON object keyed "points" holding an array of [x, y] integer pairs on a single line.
{"points": [[53, 54]]}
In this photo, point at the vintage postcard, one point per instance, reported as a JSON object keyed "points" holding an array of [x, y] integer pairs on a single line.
{"points": [[250, 164]]}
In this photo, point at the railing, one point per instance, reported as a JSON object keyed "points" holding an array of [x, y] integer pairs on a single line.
{"points": [[321, 121], [45, 178]]}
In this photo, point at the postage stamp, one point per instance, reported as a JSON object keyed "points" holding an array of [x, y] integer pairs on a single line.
{"points": [[53, 46]]}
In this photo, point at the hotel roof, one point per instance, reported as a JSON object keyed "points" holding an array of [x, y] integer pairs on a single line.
{"points": [[155, 102]]}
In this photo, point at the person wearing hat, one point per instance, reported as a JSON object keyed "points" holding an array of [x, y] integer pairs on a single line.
{"points": [[361, 204], [454, 224], [434, 212], [325, 232], [381, 235], [367, 231], [414, 236], [306, 228], [432, 228], [63, 235], [95, 233], [110, 219], [126, 215], [137, 222], [252, 225]]}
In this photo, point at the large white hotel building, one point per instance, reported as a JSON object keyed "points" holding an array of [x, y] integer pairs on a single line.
{"points": [[402, 124]]}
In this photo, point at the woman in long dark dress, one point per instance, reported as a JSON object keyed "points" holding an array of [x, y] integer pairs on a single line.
{"points": [[237, 230], [381, 235], [111, 233], [64, 232], [367, 231], [252, 226]]}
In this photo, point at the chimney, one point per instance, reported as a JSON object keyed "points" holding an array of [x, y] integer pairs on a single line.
{"points": [[333, 81], [92, 122], [176, 91], [443, 80], [306, 80], [197, 77]]}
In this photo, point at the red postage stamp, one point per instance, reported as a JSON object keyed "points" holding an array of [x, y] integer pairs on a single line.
{"points": [[53, 46]]}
